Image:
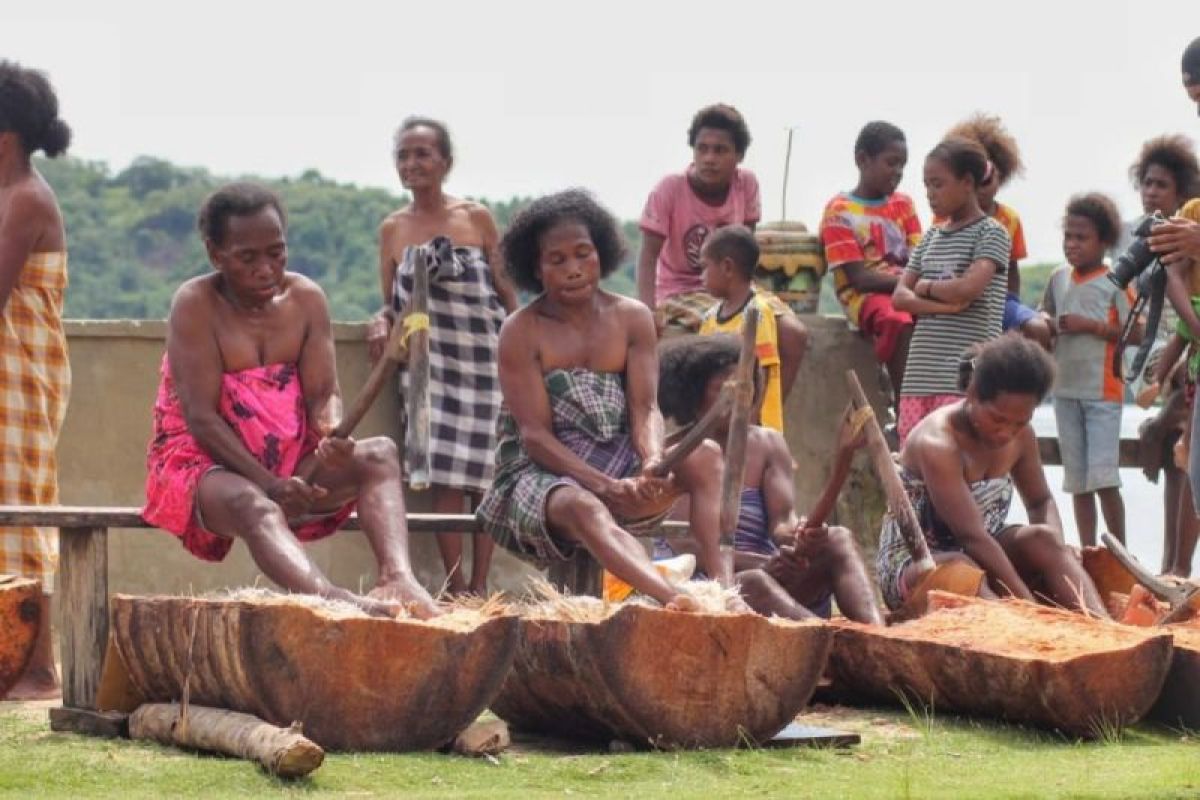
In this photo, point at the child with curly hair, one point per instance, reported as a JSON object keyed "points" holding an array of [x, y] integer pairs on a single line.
{"points": [[1087, 312], [1004, 163], [580, 436], [785, 566]]}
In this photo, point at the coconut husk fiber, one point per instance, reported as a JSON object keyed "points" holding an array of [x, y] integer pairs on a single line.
{"points": [[596, 671], [20, 620], [1008, 659], [352, 681]]}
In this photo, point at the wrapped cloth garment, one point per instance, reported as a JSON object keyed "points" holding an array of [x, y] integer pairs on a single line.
{"points": [[590, 417], [35, 381], [992, 496], [465, 315], [265, 407]]}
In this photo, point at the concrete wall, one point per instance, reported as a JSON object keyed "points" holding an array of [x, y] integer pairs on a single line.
{"points": [[115, 374]]}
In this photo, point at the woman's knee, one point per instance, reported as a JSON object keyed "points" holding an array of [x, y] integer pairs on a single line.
{"points": [[252, 510], [578, 513], [377, 453], [1041, 546]]}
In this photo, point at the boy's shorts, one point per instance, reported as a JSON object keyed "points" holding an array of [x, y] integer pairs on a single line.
{"points": [[1016, 313], [883, 323], [1089, 439]]}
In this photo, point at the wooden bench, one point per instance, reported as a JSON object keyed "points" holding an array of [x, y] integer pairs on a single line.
{"points": [[83, 591]]}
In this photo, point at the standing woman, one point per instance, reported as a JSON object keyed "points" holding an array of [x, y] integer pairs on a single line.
{"points": [[35, 379], [469, 295]]}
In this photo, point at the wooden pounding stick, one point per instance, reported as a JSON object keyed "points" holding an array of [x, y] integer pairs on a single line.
{"points": [[695, 435], [739, 425], [385, 367], [416, 398], [898, 504]]}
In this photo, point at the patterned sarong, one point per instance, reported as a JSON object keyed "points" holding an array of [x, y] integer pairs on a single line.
{"points": [[751, 534], [464, 388], [992, 496], [590, 417], [265, 407], [35, 380]]}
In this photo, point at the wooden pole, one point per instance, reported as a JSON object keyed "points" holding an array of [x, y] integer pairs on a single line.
{"points": [[416, 398], [739, 426], [898, 504]]}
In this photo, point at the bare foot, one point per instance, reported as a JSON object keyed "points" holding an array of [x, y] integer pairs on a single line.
{"points": [[738, 605], [36, 685], [409, 594], [684, 602]]}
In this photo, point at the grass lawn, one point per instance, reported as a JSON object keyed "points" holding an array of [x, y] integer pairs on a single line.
{"points": [[901, 756]]}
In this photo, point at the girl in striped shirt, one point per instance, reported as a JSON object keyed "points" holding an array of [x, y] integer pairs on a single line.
{"points": [[954, 282]]}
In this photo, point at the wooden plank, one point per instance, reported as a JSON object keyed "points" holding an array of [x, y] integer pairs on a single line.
{"points": [[1128, 456], [417, 464], [75, 517], [83, 598], [797, 735], [108, 724]]}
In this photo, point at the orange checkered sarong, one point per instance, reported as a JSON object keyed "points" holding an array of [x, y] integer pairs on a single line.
{"points": [[35, 380]]}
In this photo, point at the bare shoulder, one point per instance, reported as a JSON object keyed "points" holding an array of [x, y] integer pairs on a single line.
{"points": [[394, 223], [195, 296], [632, 311], [770, 441], [519, 327], [30, 201], [306, 292]]}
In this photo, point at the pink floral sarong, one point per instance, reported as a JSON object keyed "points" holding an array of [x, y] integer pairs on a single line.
{"points": [[265, 407]]}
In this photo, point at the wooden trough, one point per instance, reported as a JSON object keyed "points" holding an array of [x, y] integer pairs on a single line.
{"points": [[1179, 702], [1010, 659], [353, 682], [20, 618], [658, 678]]}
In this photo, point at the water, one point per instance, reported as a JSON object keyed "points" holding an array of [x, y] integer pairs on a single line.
{"points": [[1143, 499]]}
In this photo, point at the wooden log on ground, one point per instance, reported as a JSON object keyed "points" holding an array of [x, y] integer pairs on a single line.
{"points": [[354, 682], [20, 621], [416, 395], [280, 751], [660, 678], [1009, 659]]}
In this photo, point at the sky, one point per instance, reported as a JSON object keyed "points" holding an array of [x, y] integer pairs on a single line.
{"points": [[540, 96]]}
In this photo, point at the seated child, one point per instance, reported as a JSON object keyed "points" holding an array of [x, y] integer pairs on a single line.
{"points": [[868, 234], [580, 436], [783, 566], [1088, 311], [728, 258]]}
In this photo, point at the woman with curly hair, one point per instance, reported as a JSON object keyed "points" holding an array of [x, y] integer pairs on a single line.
{"points": [[580, 433], [36, 378], [469, 296], [1004, 163]]}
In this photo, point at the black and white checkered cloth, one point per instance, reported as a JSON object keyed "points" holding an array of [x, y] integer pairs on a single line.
{"points": [[465, 315]]}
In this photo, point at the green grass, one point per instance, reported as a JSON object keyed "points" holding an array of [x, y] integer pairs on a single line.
{"points": [[938, 756]]}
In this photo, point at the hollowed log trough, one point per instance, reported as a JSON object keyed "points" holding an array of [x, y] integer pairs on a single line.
{"points": [[354, 683], [663, 679]]}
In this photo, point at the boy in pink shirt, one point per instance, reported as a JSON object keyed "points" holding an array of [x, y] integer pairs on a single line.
{"points": [[684, 208]]}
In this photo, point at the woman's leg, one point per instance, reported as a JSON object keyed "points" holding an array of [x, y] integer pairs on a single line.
{"points": [[450, 545], [1039, 555]]}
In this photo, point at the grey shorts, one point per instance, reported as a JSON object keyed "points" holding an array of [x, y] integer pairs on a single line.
{"points": [[1089, 438]]}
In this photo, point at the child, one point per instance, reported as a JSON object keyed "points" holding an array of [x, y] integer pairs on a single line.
{"points": [[1004, 161], [868, 234], [954, 280], [1087, 311], [728, 259], [783, 566], [580, 436]]}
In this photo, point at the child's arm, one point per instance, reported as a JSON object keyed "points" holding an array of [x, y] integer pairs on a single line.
{"points": [[905, 299], [868, 281], [793, 341], [647, 266], [961, 290], [1169, 356], [1180, 296]]}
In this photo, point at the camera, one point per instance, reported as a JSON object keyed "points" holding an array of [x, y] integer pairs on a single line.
{"points": [[1134, 261]]}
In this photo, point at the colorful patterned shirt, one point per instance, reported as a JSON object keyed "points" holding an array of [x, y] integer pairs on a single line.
{"points": [[879, 234]]}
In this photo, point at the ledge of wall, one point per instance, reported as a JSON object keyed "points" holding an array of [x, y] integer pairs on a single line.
{"points": [[115, 374]]}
